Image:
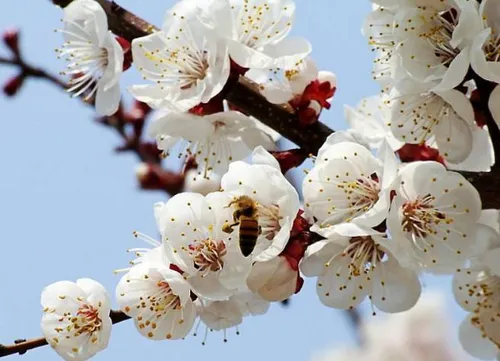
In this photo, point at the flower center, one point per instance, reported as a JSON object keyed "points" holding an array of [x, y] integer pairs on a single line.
{"points": [[439, 36], [269, 220], [362, 194], [165, 300], [208, 255], [86, 65], [87, 320], [420, 217], [364, 253], [492, 46]]}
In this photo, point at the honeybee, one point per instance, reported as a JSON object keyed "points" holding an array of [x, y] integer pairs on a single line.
{"points": [[246, 216]]}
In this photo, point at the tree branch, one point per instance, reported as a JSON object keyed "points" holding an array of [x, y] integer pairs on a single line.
{"points": [[121, 21], [22, 346], [32, 71]]}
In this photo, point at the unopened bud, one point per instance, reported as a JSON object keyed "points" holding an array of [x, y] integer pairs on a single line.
{"points": [[127, 54], [273, 280], [13, 85], [327, 77], [11, 40], [142, 172], [315, 107], [196, 183]]}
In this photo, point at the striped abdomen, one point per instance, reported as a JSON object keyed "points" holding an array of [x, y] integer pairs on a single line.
{"points": [[249, 232]]}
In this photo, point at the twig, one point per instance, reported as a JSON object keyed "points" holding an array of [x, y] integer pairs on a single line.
{"points": [[22, 346], [32, 71]]}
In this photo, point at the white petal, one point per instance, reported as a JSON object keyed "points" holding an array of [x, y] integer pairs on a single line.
{"points": [[395, 289], [107, 101], [464, 288], [262, 156], [96, 293], [473, 341], [485, 69]]}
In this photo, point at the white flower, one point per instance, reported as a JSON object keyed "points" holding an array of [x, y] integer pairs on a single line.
{"points": [[477, 290], [428, 51], [213, 140], [223, 315], [282, 85], [194, 240], [273, 280], [256, 31], [371, 118], [219, 316], [251, 303], [76, 320], [95, 57], [485, 53], [348, 184], [447, 118], [433, 216], [356, 262], [378, 28], [159, 301], [276, 200], [187, 63]]}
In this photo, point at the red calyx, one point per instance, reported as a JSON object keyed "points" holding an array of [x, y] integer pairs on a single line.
{"points": [[13, 85], [309, 104], [11, 40], [215, 105], [289, 159], [307, 116], [236, 69], [319, 91], [127, 53], [419, 152]]}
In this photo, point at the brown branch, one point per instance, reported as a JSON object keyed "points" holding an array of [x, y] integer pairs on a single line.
{"points": [[121, 21], [242, 94], [32, 71], [22, 346]]}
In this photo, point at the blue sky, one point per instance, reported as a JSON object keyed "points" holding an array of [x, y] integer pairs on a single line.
{"points": [[69, 204]]}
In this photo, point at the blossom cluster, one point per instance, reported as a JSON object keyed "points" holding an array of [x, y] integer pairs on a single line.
{"points": [[382, 205]]}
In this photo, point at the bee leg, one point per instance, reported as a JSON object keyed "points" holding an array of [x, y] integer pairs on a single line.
{"points": [[260, 230], [228, 228]]}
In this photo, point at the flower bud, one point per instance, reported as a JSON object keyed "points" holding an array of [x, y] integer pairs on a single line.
{"points": [[13, 85], [196, 183], [274, 280], [328, 77], [11, 40]]}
